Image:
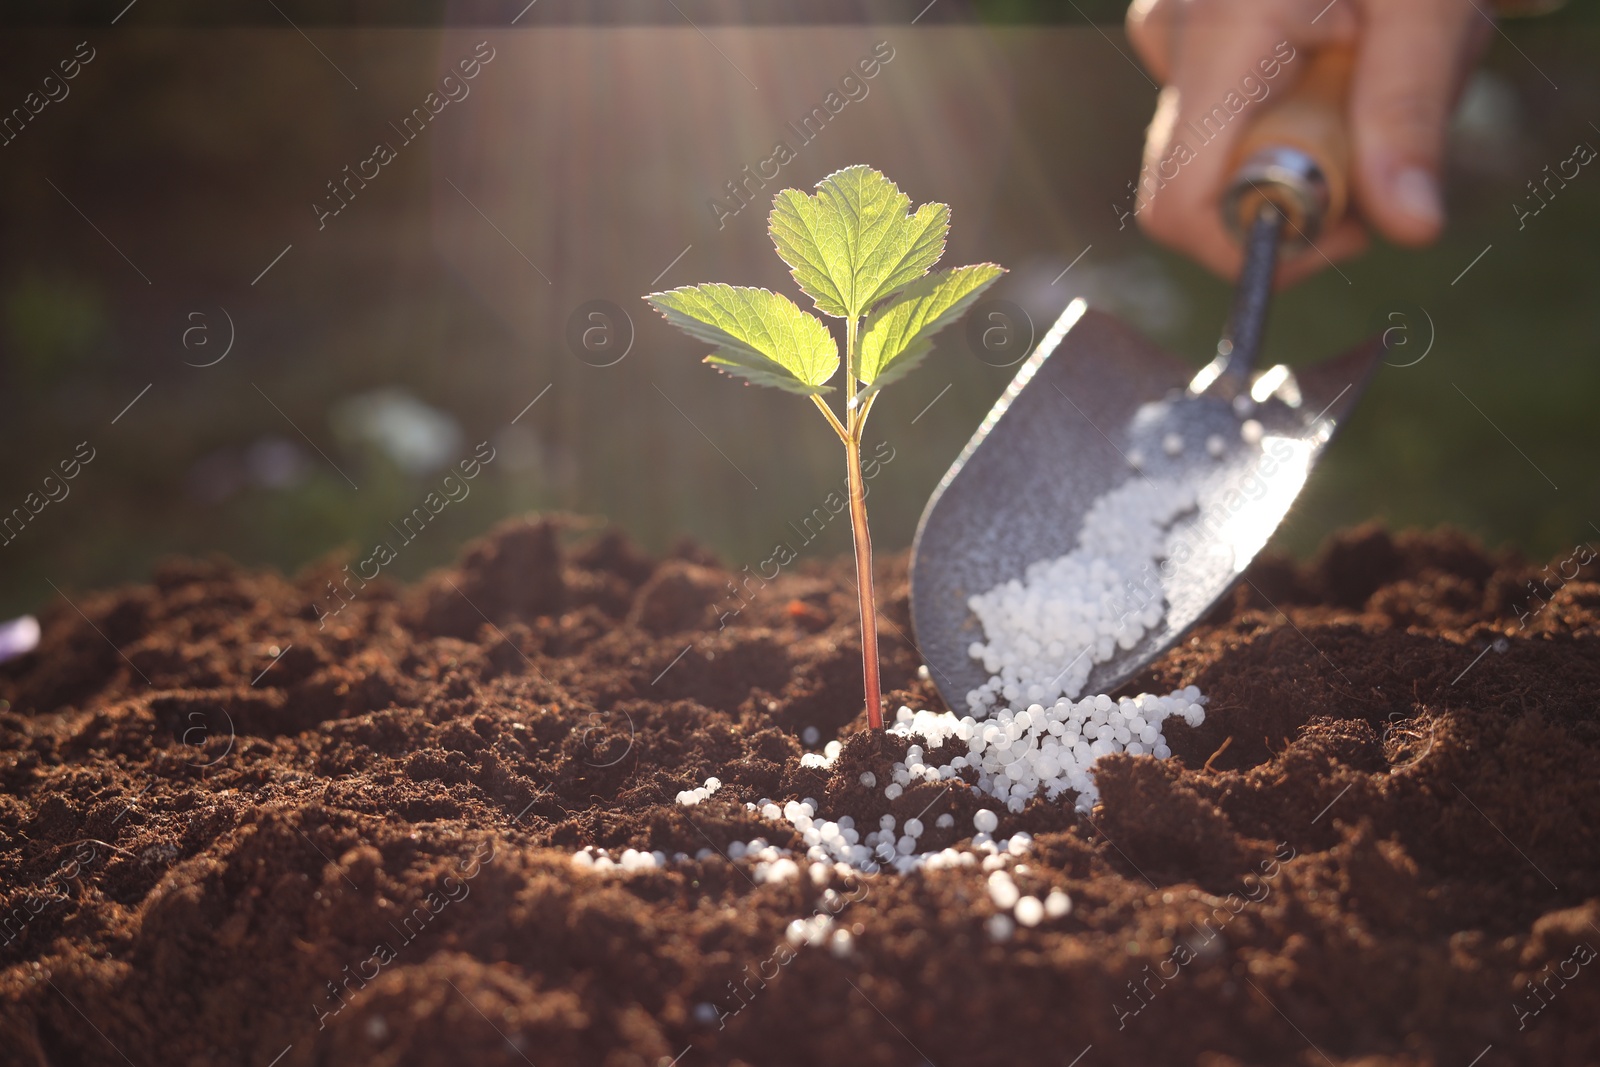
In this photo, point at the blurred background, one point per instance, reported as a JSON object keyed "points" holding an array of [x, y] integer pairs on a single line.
{"points": [[274, 338]]}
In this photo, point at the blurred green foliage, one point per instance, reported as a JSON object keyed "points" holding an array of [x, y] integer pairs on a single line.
{"points": [[54, 326]]}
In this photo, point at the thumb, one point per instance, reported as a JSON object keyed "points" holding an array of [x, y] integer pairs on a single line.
{"points": [[1409, 67]]}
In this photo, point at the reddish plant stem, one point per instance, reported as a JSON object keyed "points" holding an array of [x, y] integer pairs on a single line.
{"points": [[864, 586]]}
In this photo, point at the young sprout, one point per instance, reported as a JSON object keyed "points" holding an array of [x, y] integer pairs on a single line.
{"points": [[861, 255]]}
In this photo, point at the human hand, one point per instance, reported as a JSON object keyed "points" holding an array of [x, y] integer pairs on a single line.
{"points": [[1412, 58]]}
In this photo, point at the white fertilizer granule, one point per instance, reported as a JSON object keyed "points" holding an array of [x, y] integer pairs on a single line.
{"points": [[691, 797], [826, 758], [1054, 749], [1045, 632], [1029, 911], [1042, 636]]}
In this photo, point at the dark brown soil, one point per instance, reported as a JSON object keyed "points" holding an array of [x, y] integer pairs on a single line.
{"points": [[358, 852]]}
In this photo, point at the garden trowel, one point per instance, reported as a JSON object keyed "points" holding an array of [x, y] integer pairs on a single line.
{"points": [[1097, 405]]}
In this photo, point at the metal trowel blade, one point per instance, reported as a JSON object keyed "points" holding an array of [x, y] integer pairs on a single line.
{"points": [[1093, 407]]}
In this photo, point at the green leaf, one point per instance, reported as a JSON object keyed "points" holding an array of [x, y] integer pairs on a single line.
{"points": [[854, 242], [899, 333], [758, 335]]}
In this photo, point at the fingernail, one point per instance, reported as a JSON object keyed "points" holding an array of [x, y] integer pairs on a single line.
{"points": [[1417, 194]]}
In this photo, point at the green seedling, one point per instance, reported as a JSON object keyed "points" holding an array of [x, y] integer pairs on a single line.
{"points": [[861, 254]]}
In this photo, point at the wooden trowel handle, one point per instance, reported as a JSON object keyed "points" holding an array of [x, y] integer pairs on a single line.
{"points": [[1296, 154]]}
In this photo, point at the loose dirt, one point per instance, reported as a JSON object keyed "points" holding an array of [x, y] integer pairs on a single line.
{"points": [[231, 836]]}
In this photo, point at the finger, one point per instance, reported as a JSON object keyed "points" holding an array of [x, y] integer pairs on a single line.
{"points": [[1150, 27], [1232, 57], [1410, 65]]}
